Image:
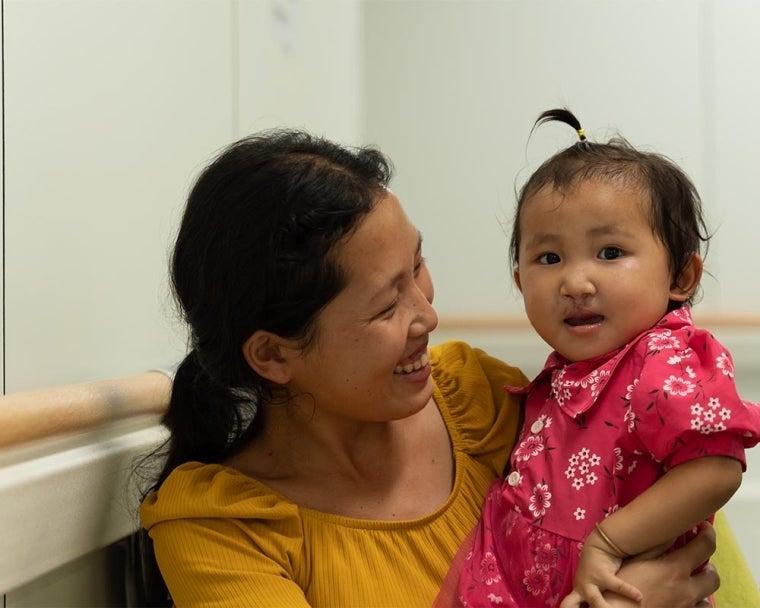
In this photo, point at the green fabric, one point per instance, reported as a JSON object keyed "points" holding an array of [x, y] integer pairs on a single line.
{"points": [[738, 588]]}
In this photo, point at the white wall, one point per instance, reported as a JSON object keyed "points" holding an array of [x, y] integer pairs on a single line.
{"points": [[111, 109], [453, 88]]}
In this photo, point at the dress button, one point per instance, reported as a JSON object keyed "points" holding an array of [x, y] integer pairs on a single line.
{"points": [[537, 426], [513, 479]]}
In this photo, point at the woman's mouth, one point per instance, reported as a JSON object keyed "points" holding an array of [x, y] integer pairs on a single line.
{"points": [[413, 366]]}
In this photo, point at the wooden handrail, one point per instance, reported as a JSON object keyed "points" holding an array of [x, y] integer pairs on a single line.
{"points": [[40, 414], [709, 320]]}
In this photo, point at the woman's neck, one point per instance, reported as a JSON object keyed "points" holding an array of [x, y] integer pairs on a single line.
{"points": [[369, 470]]}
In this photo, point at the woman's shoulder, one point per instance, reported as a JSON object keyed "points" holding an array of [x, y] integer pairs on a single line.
{"points": [[213, 491], [457, 366], [469, 389]]}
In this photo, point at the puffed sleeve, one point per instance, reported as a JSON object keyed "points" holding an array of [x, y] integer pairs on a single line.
{"points": [[220, 542], [482, 417], [685, 404]]}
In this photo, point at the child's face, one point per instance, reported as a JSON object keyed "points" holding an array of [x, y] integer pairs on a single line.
{"points": [[592, 273]]}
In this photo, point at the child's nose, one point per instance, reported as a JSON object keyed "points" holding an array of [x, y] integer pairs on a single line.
{"points": [[577, 283]]}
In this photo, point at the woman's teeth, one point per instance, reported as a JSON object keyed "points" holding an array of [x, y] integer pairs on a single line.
{"points": [[414, 366]]}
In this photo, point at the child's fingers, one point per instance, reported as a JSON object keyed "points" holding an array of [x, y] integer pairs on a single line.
{"points": [[594, 597], [574, 600]]}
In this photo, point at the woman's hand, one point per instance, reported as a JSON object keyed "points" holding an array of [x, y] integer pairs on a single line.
{"points": [[667, 580]]}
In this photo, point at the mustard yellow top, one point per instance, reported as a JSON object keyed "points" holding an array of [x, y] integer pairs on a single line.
{"points": [[223, 539]]}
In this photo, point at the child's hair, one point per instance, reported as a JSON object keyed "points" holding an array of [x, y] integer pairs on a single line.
{"points": [[675, 212]]}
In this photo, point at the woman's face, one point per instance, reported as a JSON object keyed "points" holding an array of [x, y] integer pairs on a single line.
{"points": [[369, 360]]}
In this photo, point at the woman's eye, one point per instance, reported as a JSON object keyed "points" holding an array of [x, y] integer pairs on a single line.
{"points": [[418, 266], [387, 312], [548, 258], [610, 253]]}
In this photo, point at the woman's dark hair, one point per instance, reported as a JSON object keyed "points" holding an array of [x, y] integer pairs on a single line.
{"points": [[675, 212], [255, 251]]}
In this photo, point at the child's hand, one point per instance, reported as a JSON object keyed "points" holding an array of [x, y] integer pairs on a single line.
{"points": [[595, 574]]}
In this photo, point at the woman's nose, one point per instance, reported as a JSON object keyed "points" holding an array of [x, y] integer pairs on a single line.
{"points": [[426, 319]]}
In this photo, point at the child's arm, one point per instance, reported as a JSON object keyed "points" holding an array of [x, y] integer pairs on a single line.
{"points": [[678, 501]]}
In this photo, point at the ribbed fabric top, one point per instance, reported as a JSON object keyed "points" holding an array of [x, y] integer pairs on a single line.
{"points": [[223, 539]]}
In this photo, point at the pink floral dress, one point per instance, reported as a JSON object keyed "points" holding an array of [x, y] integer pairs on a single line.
{"points": [[597, 434]]}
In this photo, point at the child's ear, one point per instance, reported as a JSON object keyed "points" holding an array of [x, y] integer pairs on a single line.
{"points": [[688, 280], [263, 352], [516, 277]]}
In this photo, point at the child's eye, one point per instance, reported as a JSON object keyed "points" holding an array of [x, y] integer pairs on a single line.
{"points": [[548, 258], [610, 253]]}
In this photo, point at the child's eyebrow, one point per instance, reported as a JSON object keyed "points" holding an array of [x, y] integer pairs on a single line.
{"points": [[542, 238], [609, 229]]}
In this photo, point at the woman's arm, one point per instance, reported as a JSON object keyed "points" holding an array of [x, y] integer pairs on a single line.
{"points": [[668, 580]]}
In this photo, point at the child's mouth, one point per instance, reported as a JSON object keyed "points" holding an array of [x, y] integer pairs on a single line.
{"points": [[585, 320]]}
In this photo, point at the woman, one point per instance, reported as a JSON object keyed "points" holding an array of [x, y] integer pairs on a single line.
{"points": [[321, 453]]}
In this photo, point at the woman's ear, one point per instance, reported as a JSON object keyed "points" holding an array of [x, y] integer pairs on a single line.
{"points": [[688, 279], [263, 353]]}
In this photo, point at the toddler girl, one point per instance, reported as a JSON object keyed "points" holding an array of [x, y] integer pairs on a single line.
{"points": [[634, 431]]}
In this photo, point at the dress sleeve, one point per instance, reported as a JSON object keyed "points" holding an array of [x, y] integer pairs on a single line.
{"points": [[685, 403], [482, 417], [225, 544]]}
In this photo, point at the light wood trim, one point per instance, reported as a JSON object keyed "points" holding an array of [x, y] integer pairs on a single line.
{"points": [[748, 321], [40, 414]]}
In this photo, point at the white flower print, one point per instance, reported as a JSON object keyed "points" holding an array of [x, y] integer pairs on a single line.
{"points": [[593, 381], [546, 420], [690, 372], [580, 467], [579, 514], [632, 466], [531, 446], [495, 599], [662, 340], [489, 570], [618, 459], [536, 581], [630, 388], [678, 386], [630, 420], [703, 418], [540, 501], [723, 363], [674, 360], [546, 556]]}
